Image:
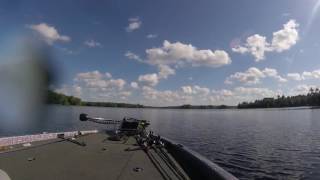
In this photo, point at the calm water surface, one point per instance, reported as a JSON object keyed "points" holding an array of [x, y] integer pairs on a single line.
{"points": [[251, 144]]}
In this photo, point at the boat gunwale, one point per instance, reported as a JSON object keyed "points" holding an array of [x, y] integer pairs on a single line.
{"points": [[209, 169]]}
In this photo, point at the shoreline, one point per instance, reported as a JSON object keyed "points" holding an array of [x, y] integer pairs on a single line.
{"points": [[197, 108]]}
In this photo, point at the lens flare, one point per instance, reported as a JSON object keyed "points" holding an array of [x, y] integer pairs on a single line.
{"points": [[313, 15]]}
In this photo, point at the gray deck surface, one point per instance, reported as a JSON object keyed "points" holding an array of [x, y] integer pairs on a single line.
{"points": [[99, 159]]}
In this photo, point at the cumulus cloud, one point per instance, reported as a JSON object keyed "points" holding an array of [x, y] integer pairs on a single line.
{"points": [[124, 94], [178, 54], [73, 90], [256, 45], [131, 55], [149, 79], [254, 75], [311, 75], [294, 76], [108, 75], [154, 78], [95, 79], [187, 95], [282, 40], [285, 38], [134, 24], [306, 75], [165, 71], [187, 89], [262, 92], [302, 89], [269, 72], [163, 97], [134, 85], [49, 33], [203, 91], [173, 55], [92, 43], [202, 95], [195, 90], [97, 86], [93, 75]]}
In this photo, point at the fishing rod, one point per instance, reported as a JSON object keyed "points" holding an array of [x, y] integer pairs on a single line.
{"points": [[128, 126], [85, 117]]}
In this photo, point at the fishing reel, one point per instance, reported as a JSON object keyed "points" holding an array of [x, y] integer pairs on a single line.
{"points": [[128, 126]]}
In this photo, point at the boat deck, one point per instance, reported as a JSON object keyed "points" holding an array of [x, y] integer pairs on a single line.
{"points": [[101, 158]]}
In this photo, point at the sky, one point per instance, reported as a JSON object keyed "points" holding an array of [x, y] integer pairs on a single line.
{"points": [[173, 52]]}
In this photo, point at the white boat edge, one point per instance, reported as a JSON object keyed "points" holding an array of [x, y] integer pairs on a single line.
{"points": [[14, 140]]}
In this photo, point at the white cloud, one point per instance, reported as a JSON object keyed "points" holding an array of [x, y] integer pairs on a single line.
{"points": [[282, 40], [180, 54], [173, 55], [311, 75], [152, 36], [108, 75], [92, 43], [253, 76], [254, 92], [93, 75], [256, 45], [149, 79], [95, 79], [160, 97], [74, 90], [294, 76], [226, 93], [49, 33], [195, 90], [124, 94], [187, 89], [154, 78], [165, 71], [134, 85], [202, 95], [134, 24], [306, 75], [274, 74], [203, 91], [302, 89], [131, 55], [97, 86], [285, 38]]}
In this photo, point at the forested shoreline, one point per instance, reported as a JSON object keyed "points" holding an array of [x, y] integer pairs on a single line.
{"points": [[312, 98], [59, 98]]}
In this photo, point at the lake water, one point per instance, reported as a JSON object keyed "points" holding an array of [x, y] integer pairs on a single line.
{"points": [[251, 144]]}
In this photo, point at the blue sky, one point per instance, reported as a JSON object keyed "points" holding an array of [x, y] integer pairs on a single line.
{"points": [[173, 52]]}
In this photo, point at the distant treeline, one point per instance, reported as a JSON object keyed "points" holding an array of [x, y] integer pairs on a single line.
{"points": [[188, 106], [112, 104], [58, 98], [310, 99]]}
